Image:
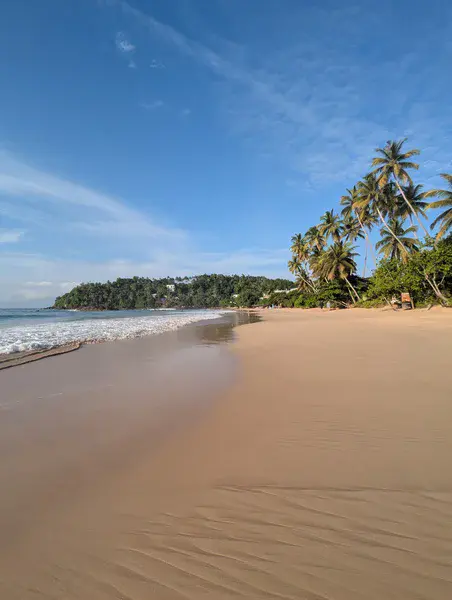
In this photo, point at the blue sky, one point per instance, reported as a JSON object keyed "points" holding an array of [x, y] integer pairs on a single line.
{"points": [[157, 137]]}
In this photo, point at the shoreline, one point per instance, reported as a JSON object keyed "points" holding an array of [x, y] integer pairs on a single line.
{"points": [[18, 358], [320, 468]]}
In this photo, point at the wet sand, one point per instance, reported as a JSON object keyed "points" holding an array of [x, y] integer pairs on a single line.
{"points": [[322, 471]]}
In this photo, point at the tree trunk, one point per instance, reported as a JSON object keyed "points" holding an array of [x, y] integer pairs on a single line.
{"points": [[415, 229], [390, 230], [368, 242], [365, 263], [411, 207], [351, 286], [435, 288]]}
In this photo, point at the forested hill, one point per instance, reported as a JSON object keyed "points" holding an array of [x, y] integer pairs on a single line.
{"points": [[203, 291]]}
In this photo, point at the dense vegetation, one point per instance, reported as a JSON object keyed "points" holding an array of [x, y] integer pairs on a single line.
{"points": [[412, 258], [386, 204], [204, 291]]}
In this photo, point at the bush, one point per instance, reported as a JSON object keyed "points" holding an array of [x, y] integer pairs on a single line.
{"points": [[432, 265]]}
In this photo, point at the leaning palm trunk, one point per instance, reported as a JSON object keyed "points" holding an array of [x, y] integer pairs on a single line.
{"points": [[391, 231], [414, 228], [368, 242], [411, 207], [432, 283], [365, 262], [353, 290]]}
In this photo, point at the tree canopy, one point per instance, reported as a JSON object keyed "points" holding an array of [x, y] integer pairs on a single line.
{"points": [[411, 258], [203, 291]]}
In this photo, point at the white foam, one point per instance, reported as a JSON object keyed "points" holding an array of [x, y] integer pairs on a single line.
{"points": [[43, 336]]}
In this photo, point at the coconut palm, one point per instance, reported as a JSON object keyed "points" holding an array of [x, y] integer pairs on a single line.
{"points": [[349, 201], [300, 257], [330, 226], [390, 247], [366, 219], [303, 281], [393, 165], [299, 247], [445, 218], [382, 200], [314, 238], [294, 265], [351, 229], [416, 198], [338, 261]]}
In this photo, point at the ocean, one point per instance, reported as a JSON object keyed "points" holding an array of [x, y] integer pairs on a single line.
{"points": [[34, 329]]}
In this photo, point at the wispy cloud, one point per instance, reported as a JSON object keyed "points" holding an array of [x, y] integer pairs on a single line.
{"points": [[9, 236], [47, 277], [306, 105], [152, 105], [123, 44], [104, 214], [52, 205], [185, 112], [156, 64]]}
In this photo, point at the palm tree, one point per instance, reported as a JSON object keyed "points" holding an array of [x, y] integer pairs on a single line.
{"points": [[393, 165], [381, 200], [390, 247], [330, 225], [294, 265], [299, 247], [366, 219], [314, 238], [416, 198], [303, 281], [300, 257], [338, 261], [351, 229], [445, 218]]}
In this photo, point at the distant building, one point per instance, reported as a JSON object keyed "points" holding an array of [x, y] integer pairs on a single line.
{"points": [[171, 287], [294, 289]]}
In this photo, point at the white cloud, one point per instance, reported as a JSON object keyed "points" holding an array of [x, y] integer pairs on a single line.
{"points": [[156, 64], [53, 206], [38, 283], [103, 214], [132, 64], [152, 105], [123, 44], [9, 236], [185, 112], [54, 276], [309, 107]]}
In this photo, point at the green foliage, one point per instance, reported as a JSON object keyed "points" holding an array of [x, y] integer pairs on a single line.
{"points": [[432, 265], [387, 196], [203, 291]]}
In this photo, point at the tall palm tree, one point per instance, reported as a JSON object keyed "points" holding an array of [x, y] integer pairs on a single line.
{"points": [[299, 247], [416, 197], [351, 229], [338, 261], [300, 257], [393, 165], [366, 219], [445, 218], [294, 265], [303, 281], [314, 238], [330, 226], [390, 247], [382, 200]]}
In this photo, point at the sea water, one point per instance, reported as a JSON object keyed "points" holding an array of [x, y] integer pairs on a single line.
{"points": [[34, 329]]}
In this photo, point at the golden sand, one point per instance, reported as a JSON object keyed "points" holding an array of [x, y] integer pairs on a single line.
{"points": [[323, 472]]}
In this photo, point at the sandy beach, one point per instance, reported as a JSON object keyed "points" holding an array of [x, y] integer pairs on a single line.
{"points": [[310, 458]]}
